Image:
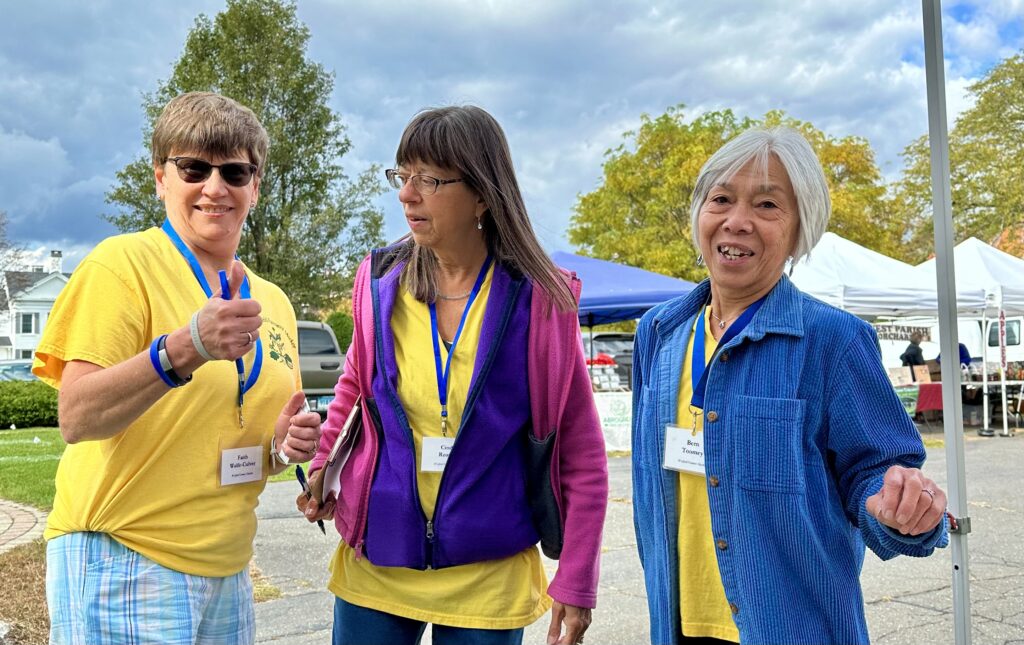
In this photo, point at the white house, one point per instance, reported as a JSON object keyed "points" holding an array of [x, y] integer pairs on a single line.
{"points": [[26, 298]]}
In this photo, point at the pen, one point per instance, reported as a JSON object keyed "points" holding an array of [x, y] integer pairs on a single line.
{"points": [[225, 294], [301, 476]]}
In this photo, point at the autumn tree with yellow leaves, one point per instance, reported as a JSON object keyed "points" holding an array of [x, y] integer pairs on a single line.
{"points": [[640, 214]]}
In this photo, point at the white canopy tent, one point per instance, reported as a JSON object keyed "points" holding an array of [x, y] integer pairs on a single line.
{"points": [[870, 285], [1001, 276], [982, 266]]}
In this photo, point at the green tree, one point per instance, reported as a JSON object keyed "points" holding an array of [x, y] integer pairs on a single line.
{"points": [[342, 324], [640, 215], [312, 224], [986, 160]]}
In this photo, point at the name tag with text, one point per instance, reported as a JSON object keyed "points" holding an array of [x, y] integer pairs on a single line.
{"points": [[684, 450], [241, 465], [436, 451]]}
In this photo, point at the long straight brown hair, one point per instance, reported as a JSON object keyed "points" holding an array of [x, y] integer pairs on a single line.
{"points": [[468, 140]]}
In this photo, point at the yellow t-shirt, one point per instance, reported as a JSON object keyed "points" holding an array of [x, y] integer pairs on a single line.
{"points": [[497, 594], [155, 486], [703, 607]]}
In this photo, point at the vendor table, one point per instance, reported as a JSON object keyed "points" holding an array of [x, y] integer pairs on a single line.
{"points": [[929, 395]]}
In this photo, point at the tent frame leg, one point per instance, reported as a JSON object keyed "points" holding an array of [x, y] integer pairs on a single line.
{"points": [[942, 215]]}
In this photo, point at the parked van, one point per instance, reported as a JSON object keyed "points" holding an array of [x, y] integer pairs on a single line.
{"points": [[893, 339]]}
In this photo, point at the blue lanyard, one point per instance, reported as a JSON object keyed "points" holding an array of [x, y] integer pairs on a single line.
{"points": [[442, 373], [699, 375], [244, 292]]}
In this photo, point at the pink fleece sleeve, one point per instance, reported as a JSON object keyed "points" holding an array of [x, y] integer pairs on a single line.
{"points": [[347, 388], [345, 392], [583, 474]]}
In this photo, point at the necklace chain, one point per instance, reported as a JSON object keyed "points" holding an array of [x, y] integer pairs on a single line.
{"points": [[721, 323], [459, 297]]}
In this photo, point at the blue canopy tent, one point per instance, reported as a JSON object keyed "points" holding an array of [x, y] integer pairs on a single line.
{"points": [[614, 292]]}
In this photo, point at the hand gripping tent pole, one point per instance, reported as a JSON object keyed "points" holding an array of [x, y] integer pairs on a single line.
{"points": [[952, 417]]}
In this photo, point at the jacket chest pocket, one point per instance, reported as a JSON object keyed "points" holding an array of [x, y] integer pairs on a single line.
{"points": [[767, 444]]}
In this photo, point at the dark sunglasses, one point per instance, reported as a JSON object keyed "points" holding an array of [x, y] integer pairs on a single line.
{"points": [[194, 170]]}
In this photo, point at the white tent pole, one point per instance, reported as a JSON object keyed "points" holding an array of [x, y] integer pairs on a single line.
{"points": [[1002, 365], [952, 417], [984, 371]]}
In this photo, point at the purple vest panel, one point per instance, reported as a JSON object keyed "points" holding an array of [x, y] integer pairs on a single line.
{"points": [[481, 511]]}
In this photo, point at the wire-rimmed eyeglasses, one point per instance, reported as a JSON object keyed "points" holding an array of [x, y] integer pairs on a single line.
{"points": [[424, 184]]}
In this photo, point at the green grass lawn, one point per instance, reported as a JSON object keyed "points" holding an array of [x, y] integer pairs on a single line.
{"points": [[28, 467]]}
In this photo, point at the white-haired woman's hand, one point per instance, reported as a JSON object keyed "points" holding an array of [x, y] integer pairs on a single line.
{"points": [[908, 501]]}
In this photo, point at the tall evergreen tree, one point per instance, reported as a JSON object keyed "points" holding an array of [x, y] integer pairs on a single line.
{"points": [[312, 224]]}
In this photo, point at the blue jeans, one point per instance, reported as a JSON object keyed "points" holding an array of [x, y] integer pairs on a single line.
{"points": [[355, 625]]}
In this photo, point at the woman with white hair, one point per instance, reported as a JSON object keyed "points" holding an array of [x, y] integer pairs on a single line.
{"points": [[768, 444]]}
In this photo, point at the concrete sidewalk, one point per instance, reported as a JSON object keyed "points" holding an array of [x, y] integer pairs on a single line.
{"points": [[908, 601], [295, 556]]}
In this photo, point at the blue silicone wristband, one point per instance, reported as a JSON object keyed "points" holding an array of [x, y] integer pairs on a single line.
{"points": [[154, 358]]}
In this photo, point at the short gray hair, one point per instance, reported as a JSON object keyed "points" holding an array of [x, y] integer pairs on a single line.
{"points": [[814, 206]]}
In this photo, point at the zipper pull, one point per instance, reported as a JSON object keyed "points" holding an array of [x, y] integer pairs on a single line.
{"points": [[430, 530]]}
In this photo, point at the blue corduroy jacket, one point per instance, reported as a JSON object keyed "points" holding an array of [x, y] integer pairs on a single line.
{"points": [[801, 424]]}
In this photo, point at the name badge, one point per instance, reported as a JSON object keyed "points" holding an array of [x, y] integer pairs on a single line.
{"points": [[436, 451], [684, 450], [241, 465]]}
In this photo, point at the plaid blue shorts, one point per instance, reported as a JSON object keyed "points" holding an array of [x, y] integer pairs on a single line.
{"points": [[100, 591]]}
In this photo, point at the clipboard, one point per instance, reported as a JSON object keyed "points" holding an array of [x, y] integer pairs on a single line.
{"points": [[329, 484]]}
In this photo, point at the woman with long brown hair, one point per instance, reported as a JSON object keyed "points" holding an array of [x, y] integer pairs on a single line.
{"points": [[480, 435]]}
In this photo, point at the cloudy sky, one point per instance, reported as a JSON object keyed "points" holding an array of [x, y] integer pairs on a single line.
{"points": [[566, 78]]}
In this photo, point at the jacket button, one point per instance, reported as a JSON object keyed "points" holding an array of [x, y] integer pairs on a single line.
{"points": [[724, 357], [722, 545], [734, 608], [712, 416], [713, 481]]}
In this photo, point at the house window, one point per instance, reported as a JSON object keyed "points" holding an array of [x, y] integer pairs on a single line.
{"points": [[29, 324], [25, 353]]}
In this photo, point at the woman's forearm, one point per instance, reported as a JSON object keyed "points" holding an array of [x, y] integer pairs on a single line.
{"points": [[98, 403]]}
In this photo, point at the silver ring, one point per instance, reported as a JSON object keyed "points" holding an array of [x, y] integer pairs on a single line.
{"points": [[930, 492], [249, 336]]}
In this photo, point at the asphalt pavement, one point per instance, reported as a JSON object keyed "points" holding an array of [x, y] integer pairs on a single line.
{"points": [[907, 600]]}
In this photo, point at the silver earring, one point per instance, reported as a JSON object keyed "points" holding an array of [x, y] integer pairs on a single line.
{"points": [[252, 209], [791, 265], [700, 259], [479, 224]]}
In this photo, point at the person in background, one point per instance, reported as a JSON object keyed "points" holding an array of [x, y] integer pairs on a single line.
{"points": [[170, 403], [913, 355], [468, 357], [965, 357], [760, 471]]}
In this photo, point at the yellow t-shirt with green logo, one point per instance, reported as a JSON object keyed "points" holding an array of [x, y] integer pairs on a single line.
{"points": [[155, 486], [703, 607], [496, 594]]}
